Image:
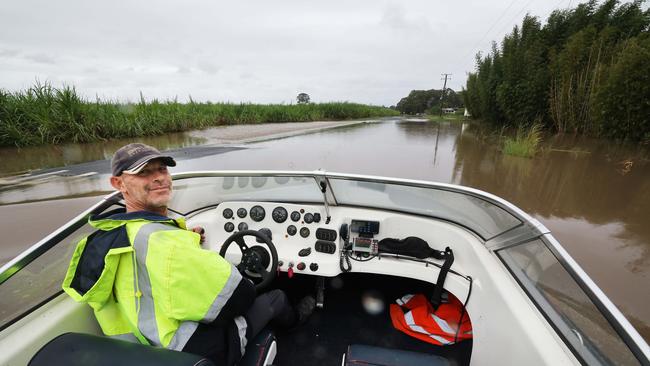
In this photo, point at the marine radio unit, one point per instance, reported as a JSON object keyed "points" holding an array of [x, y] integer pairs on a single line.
{"points": [[365, 243]]}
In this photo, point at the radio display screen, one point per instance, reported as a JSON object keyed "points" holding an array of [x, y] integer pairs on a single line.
{"points": [[360, 243], [364, 227]]}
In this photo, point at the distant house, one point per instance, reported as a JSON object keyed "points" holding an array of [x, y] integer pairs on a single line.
{"points": [[448, 110]]}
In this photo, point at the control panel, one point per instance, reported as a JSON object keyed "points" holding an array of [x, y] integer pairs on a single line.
{"points": [[303, 240]]}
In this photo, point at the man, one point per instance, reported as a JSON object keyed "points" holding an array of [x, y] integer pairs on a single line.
{"points": [[147, 278]]}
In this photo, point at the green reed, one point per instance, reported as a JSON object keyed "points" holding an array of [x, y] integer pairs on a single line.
{"points": [[43, 114], [525, 143]]}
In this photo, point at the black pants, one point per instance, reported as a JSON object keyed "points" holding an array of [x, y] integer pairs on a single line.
{"points": [[214, 342]]}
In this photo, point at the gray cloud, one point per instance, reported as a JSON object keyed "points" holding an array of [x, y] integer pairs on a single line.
{"points": [[369, 51], [41, 58]]}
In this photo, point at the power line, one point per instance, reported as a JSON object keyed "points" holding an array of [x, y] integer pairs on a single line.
{"points": [[491, 27], [509, 23], [517, 15]]}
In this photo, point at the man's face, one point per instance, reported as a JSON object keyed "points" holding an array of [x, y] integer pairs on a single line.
{"points": [[149, 190]]}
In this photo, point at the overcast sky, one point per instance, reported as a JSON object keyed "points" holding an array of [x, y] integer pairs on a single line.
{"points": [[368, 51]]}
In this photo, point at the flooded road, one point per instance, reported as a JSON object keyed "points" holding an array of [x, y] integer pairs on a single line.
{"points": [[592, 194]]}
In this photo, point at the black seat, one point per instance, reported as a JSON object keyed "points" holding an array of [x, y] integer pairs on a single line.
{"points": [[377, 356], [77, 349]]}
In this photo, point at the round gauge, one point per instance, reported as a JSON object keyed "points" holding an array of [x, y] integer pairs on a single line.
{"points": [[304, 232], [295, 216], [257, 213], [229, 227], [227, 213], [279, 214], [242, 226], [241, 212], [291, 230], [309, 218]]}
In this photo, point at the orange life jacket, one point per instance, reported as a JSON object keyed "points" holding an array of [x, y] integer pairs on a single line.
{"points": [[415, 316]]}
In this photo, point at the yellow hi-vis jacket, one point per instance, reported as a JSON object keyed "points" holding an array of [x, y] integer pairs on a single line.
{"points": [[146, 275]]}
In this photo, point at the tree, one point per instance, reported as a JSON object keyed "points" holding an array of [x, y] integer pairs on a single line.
{"points": [[303, 98], [586, 70], [422, 101]]}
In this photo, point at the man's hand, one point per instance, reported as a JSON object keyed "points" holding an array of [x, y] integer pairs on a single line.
{"points": [[199, 230]]}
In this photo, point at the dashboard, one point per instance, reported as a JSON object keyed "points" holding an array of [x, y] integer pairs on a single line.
{"points": [[304, 240], [308, 244]]}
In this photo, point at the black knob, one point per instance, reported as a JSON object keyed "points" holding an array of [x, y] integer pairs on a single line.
{"points": [[304, 252], [313, 267], [316, 217], [301, 266]]}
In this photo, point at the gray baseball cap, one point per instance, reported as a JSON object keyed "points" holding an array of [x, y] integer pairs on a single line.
{"points": [[132, 158]]}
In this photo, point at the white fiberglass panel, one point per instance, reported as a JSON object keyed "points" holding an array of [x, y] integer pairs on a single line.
{"points": [[482, 217]]}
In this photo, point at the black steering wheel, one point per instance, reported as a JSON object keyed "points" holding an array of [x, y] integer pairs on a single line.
{"points": [[254, 260]]}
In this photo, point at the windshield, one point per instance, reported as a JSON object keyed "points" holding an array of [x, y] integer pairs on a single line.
{"points": [[567, 307], [482, 217], [477, 214], [192, 193]]}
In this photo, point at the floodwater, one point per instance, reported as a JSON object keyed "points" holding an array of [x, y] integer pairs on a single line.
{"points": [[592, 194]]}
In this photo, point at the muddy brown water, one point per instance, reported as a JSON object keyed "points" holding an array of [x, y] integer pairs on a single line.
{"points": [[592, 194]]}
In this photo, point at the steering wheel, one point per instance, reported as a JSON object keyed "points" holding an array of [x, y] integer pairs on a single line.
{"points": [[254, 260]]}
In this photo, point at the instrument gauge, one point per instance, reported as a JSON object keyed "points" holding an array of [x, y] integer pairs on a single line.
{"points": [[241, 212], [242, 226], [229, 227], [279, 214], [295, 216], [227, 213], [291, 230], [309, 218], [304, 232], [257, 213]]}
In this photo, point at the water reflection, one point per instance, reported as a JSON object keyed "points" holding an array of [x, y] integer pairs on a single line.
{"points": [[40, 157], [577, 189], [592, 194]]}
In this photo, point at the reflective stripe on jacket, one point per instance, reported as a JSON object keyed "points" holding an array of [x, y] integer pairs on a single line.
{"points": [[415, 316], [147, 275]]}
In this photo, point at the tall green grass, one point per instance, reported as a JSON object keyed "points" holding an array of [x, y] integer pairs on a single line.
{"points": [[43, 114], [525, 143]]}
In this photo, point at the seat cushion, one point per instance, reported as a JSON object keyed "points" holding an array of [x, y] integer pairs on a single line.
{"points": [[378, 356], [260, 350], [76, 349]]}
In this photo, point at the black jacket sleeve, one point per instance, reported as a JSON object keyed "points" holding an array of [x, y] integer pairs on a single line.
{"points": [[242, 299]]}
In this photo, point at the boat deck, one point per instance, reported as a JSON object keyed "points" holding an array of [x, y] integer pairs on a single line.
{"points": [[343, 321]]}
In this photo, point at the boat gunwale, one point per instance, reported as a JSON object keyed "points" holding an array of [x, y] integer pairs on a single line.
{"points": [[614, 316]]}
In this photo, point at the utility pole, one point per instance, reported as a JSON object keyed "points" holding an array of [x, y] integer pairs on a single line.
{"points": [[444, 88]]}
